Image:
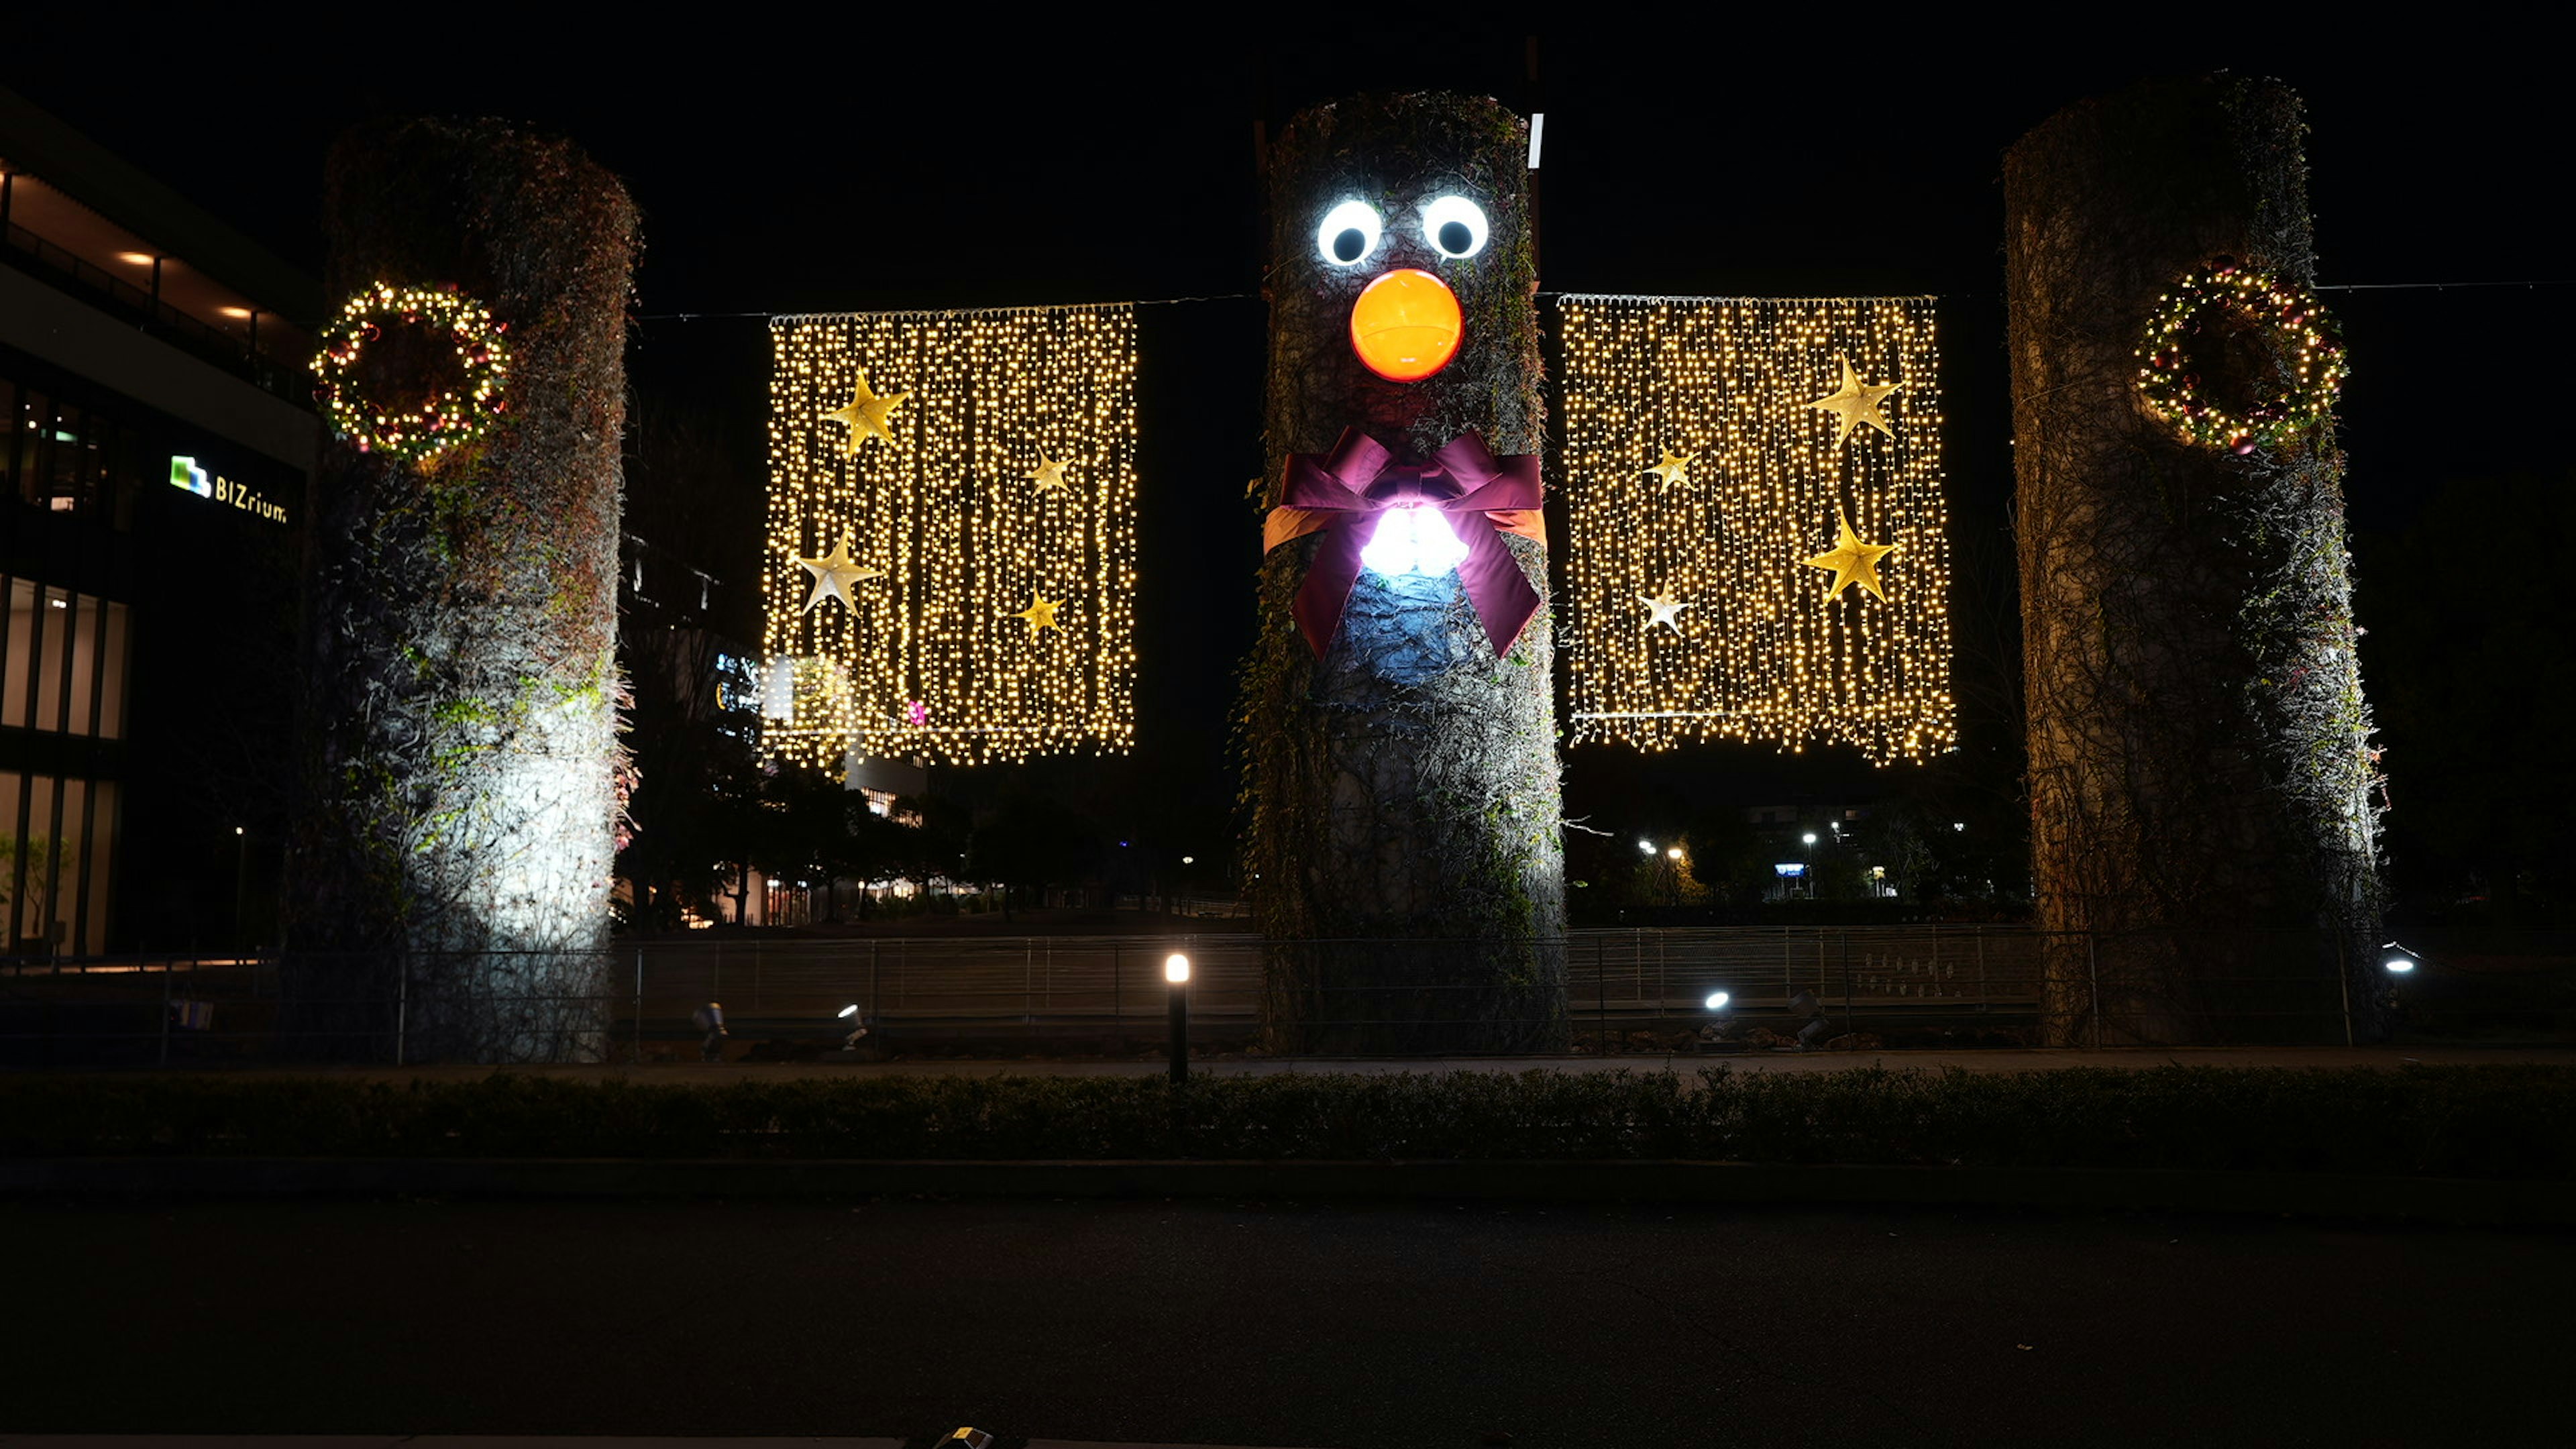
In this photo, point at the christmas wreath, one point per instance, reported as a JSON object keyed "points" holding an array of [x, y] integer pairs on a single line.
{"points": [[450, 414], [2238, 358]]}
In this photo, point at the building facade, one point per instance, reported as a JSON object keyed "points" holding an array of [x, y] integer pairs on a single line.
{"points": [[157, 433]]}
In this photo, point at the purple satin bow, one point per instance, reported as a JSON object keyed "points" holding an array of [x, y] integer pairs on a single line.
{"points": [[1463, 479]]}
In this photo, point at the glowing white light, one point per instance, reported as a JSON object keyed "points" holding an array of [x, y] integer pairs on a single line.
{"points": [[1717, 1000], [1450, 211], [849, 1011], [1176, 968], [2398, 964], [1811, 837], [1673, 854], [1647, 846], [1413, 541], [778, 688], [2395, 959], [1350, 216]]}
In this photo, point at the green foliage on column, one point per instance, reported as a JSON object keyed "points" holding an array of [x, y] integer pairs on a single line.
{"points": [[1406, 785], [2200, 764], [464, 773]]}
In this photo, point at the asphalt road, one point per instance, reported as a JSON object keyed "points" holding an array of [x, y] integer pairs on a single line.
{"points": [[1275, 1324]]}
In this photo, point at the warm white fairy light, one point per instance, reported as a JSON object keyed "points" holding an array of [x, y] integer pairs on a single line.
{"points": [[959, 510], [1763, 653], [417, 428]]}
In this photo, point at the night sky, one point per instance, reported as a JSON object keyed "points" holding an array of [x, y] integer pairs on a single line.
{"points": [[826, 162]]}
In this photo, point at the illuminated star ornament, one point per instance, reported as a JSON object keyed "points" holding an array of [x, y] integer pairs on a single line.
{"points": [[865, 416], [833, 574], [1856, 402], [1675, 468], [1040, 613], [1851, 560], [1049, 474], [1664, 611]]}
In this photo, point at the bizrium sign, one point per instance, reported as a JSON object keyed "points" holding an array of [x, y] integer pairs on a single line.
{"points": [[184, 473]]}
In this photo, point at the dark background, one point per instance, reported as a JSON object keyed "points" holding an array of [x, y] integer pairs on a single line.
{"points": [[828, 160]]}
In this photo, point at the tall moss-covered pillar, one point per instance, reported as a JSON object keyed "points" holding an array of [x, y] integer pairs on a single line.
{"points": [[464, 775], [2201, 786], [1404, 855]]}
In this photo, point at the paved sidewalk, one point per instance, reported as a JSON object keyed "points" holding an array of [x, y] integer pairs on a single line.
{"points": [[2132, 1059]]}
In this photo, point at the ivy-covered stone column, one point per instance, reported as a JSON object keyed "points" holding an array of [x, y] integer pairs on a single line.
{"points": [[1400, 736], [2202, 792], [464, 775]]}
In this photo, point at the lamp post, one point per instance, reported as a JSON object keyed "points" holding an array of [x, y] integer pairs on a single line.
{"points": [[1176, 973], [1811, 864], [241, 889]]}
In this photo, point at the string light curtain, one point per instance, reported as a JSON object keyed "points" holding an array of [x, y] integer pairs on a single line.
{"points": [[952, 562], [1758, 542]]}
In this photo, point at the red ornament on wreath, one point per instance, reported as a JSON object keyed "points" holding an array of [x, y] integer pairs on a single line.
{"points": [[2277, 358], [450, 414]]}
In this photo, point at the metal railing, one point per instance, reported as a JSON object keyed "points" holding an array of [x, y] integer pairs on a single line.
{"points": [[278, 377], [1608, 991]]}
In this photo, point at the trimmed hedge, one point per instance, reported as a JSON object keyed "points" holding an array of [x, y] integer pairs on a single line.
{"points": [[2498, 1122]]}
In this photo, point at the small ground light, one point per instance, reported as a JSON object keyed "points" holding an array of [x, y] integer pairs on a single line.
{"points": [[1176, 970], [1717, 1001]]}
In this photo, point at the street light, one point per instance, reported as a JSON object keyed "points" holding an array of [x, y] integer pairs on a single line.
{"points": [[1717, 1001], [2396, 960], [1646, 845], [1176, 971]]}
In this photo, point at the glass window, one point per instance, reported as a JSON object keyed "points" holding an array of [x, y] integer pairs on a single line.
{"points": [[32, 857], [95, 871], [63, 894], [16, 688], [63, 661], [9, 434], [57, 848], [111, 671], [35, 415], [53, 639]]}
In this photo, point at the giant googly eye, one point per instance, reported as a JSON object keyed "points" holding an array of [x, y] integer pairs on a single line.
{"points": [[1454, 226], [1349, 233]]}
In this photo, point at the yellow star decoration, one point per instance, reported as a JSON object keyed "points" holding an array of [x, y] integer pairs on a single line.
{"points": [[1040, 613], [1856, 402], [833, 574], [865, 416], [1664, 611], [1852, 560], [1049, 474], [1675, 468]]}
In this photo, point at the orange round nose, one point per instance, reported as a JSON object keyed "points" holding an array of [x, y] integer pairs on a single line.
{"points": [[1405, 325]]}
